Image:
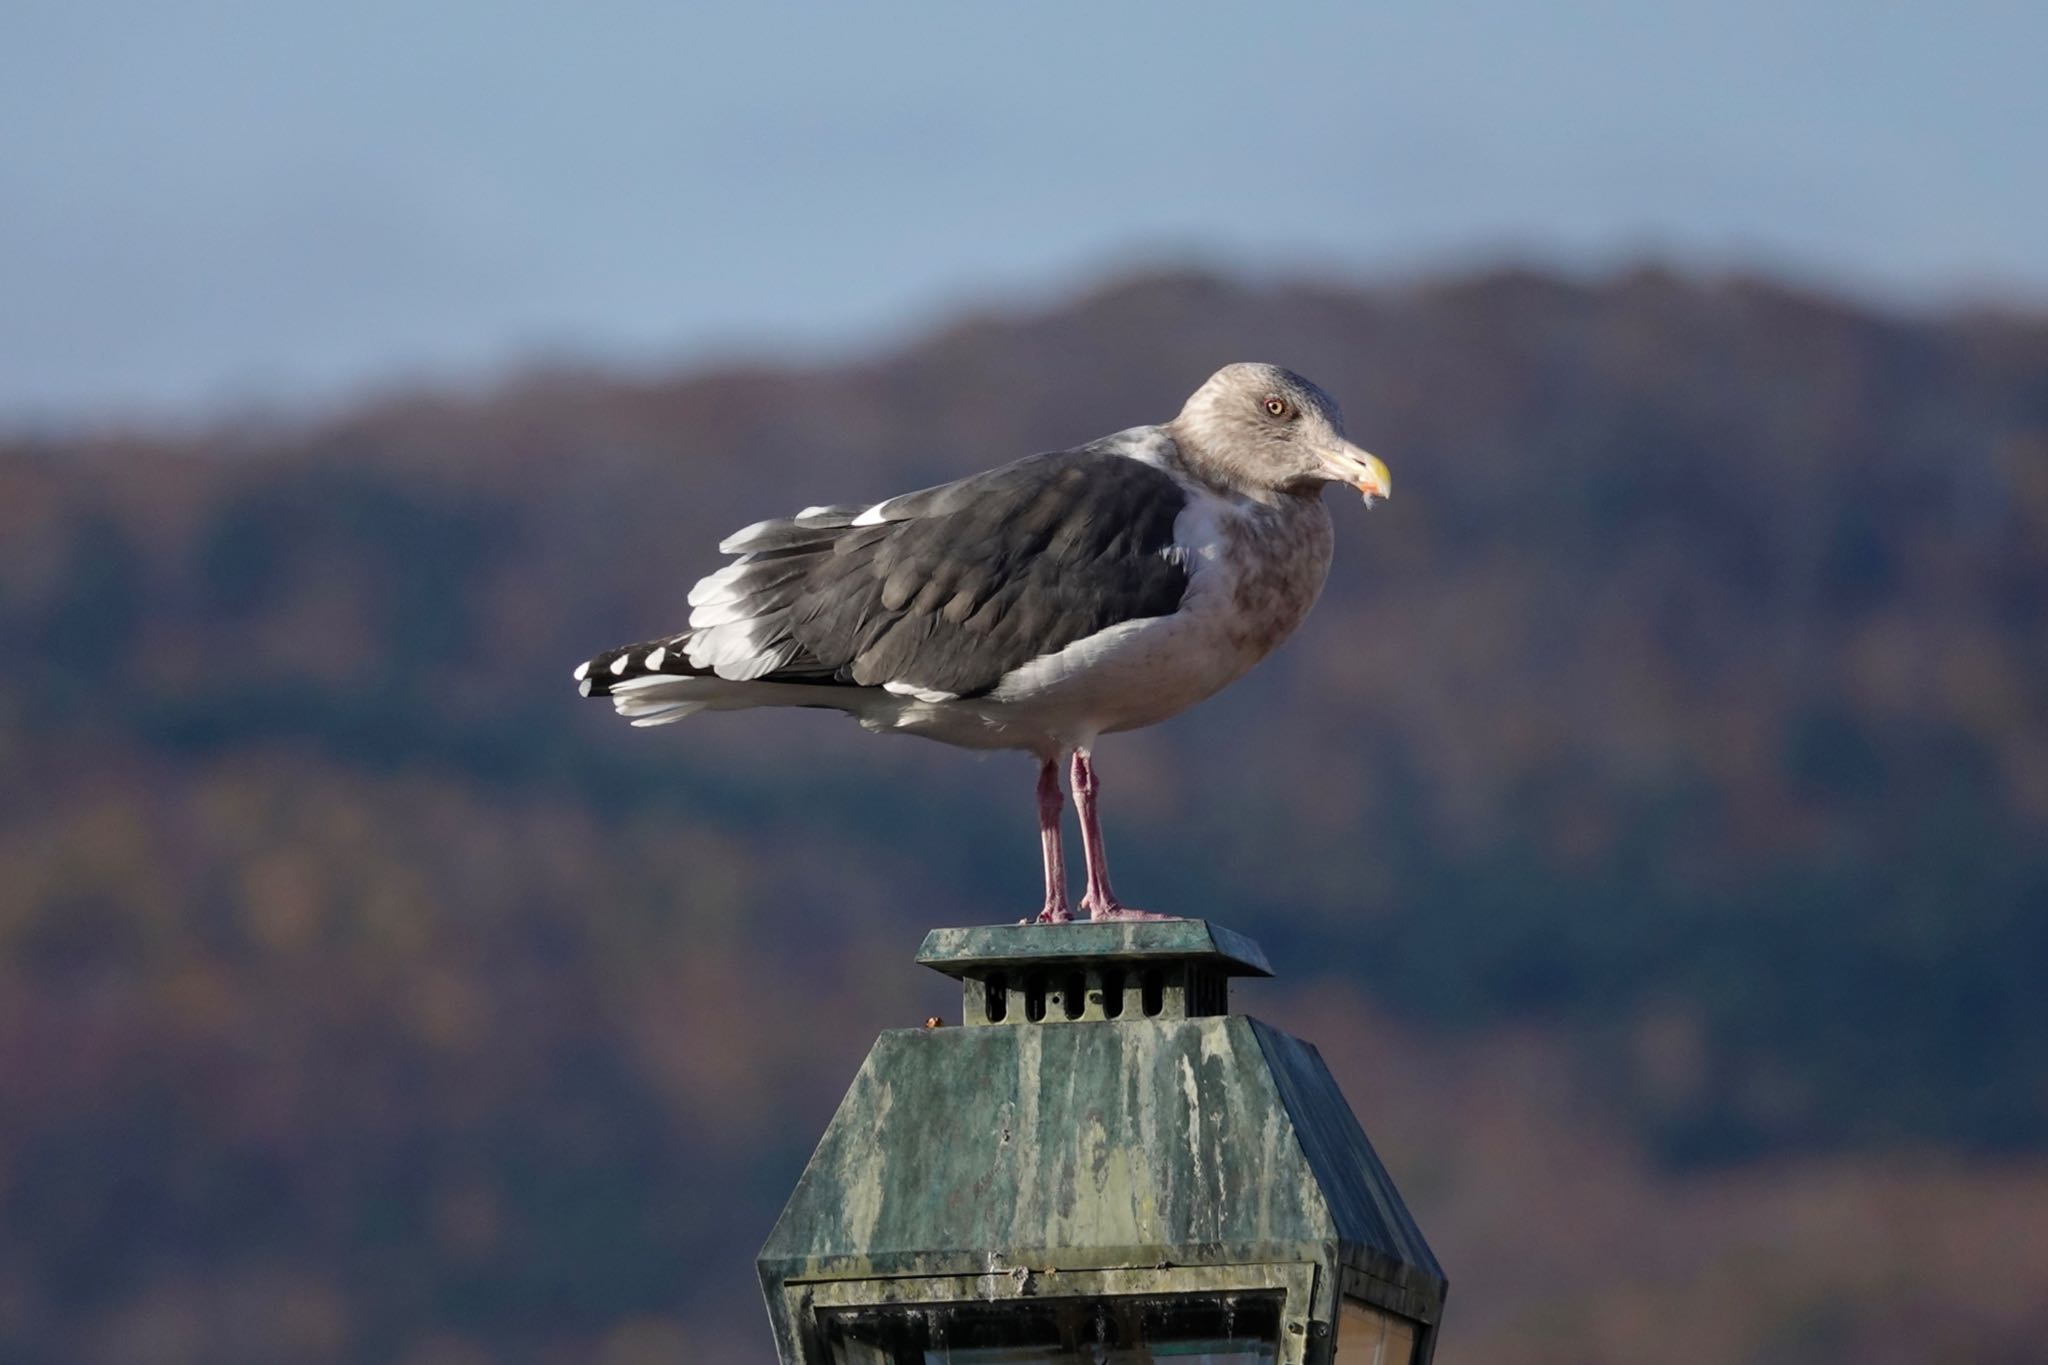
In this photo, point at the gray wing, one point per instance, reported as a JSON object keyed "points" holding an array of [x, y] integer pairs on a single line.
{"points": [[945, 590]]}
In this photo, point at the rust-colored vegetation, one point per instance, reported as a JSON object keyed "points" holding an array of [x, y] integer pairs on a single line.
{"points": [[1651, 825]]}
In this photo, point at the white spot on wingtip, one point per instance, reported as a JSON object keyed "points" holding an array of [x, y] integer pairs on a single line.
{"points": [[619, 664], [815, 510], [873, 516], [656, 655], [583, 686], [582, 670]]}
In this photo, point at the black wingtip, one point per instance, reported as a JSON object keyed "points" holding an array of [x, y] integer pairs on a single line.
{"points": [[596, 676]]}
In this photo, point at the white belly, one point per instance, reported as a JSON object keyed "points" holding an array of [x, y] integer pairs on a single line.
{"points": [[1254, 571]]}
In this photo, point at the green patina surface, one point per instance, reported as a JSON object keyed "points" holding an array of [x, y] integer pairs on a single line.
{"points": [[964, 952], [1134, 1146]]}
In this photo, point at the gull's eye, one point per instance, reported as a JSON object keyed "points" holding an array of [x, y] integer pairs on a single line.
{"points": [[1276, 407]]}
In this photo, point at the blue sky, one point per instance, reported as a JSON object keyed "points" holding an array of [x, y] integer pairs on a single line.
{"points": [[209, 205]]}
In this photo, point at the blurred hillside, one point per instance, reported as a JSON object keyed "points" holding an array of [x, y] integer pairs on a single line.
{"points": [[1651, 825]]}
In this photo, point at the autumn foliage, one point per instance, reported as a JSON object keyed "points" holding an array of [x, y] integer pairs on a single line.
{"points": [[1651, 823]]}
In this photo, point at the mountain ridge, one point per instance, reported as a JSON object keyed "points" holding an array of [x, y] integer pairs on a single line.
{"points": [[1687, 709]]}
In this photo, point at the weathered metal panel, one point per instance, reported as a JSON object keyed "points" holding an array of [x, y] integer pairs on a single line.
{"points": [[1120, 1142], [982, 948], [1370, 1219], [1129, 1147]]}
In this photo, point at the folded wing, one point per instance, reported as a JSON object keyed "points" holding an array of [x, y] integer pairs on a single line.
{"points": [[935, 594]]}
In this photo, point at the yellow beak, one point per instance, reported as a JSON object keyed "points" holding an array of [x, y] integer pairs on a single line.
{"points": [[1367, 473]]}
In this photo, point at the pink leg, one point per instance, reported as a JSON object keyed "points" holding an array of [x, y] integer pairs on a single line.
{"points": [[1100, 902], [1052, 804]]}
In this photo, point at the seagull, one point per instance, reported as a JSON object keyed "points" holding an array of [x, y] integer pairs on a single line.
{"points": [[1038, 606]]}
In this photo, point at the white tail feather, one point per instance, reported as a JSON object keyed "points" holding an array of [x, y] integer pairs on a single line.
{"points": [[665, 715], [662, 700]]}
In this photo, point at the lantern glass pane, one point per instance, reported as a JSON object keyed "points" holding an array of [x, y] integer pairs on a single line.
{"points": [[1153, 1329], [1370, 1336]]}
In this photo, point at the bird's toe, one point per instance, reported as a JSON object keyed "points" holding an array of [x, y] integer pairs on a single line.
{"points": [[1116, 911]]}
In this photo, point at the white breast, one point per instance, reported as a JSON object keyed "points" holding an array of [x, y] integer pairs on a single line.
{"points": [[1253, 573]]}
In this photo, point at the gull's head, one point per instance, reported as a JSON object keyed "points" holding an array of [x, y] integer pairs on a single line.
{"points": [[1266, 429]]}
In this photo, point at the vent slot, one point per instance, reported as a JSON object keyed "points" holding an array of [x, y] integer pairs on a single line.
{"points": [[1208, 992], [1045, 981]]}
